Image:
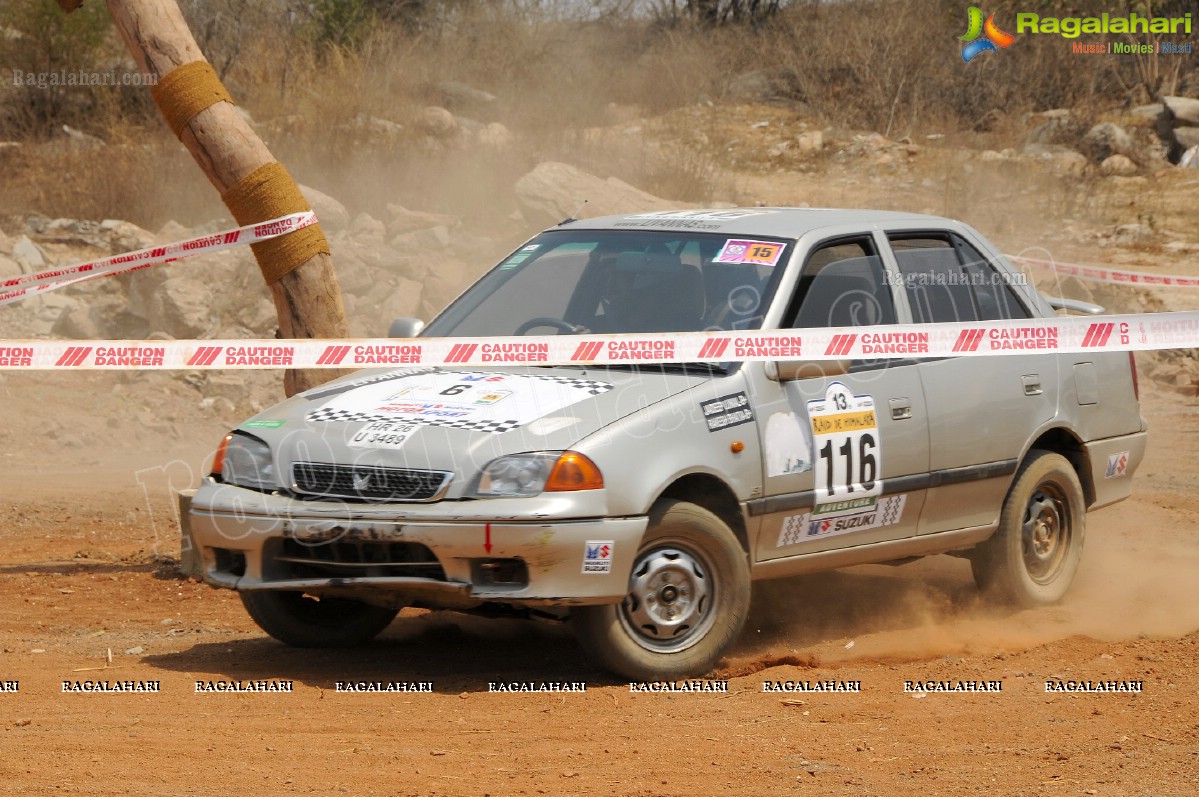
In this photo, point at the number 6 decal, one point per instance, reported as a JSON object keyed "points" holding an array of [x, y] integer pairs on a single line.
{"points": [[849, 457]]}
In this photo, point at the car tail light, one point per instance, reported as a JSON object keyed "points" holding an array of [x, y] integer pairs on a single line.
{"points": [[1136, 384]]}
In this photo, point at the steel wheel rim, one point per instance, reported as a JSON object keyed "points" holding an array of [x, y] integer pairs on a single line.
{"points": [[672, 592], [1046, 533]]}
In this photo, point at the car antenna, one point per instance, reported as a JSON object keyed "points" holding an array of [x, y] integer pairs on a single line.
{"points": [[574, 216]]}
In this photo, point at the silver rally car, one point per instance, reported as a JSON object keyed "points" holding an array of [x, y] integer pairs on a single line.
{"points": [[640, 499]]}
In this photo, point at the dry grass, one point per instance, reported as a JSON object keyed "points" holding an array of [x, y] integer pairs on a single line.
{"points": [[881, 65]]}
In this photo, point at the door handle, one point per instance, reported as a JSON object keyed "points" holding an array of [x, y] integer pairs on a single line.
{"points": [[901, 409], [1032, 384]]}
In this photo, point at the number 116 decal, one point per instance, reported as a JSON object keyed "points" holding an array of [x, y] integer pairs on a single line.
{"points": [[848, 452]]}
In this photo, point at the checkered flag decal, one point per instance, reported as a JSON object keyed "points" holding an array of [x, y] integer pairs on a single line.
{"points": [[451, 423], [593, 387], [793, 529], [892, 508]]}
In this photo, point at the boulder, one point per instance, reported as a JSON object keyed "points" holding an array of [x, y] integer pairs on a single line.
{"points": [[764, 85], [404, 220], [466, 99], [810, 142], [28, 254], [181, 307], [5, 244], [436, 122], [9, 268], [1183, 110], [1104, 140], [555, 191], [367, 226], [1117, 165], [495, 137], [125, 236], [79, 323], [331, 214], [1187, 136], [418, 241]]}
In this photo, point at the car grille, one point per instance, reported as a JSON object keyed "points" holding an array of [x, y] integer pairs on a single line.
{"points": [[349, 558], [368, 483]]}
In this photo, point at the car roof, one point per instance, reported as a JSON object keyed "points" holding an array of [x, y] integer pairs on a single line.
{"points": [[773, 221]]}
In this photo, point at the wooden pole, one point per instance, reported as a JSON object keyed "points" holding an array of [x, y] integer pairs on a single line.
{"points": [[307, 299]]}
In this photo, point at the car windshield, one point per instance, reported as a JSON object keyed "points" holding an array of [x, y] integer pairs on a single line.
{"points": [[614, 281]]}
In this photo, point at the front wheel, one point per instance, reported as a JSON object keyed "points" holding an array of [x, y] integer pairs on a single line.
{"points": [[303, 621], [1033, 555], [687, 602]]}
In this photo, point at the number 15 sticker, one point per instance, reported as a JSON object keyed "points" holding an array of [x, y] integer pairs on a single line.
{"points": [[764, 253], [848, 454]]}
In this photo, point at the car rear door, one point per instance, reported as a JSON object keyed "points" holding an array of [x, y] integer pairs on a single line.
{"points": [[982, 410]]}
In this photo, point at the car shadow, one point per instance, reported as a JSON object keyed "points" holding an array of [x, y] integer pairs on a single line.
{"points": [[463, 653]]}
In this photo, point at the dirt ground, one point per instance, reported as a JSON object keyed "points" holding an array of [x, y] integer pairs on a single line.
{"points": [[88, 574]]}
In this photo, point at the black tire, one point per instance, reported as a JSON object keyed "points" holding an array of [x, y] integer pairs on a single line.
{"points": [[303, 621], [688, 599], [1033, 555]]}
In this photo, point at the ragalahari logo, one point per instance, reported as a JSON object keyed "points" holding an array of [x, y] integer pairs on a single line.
{"points": [[992, 36]]}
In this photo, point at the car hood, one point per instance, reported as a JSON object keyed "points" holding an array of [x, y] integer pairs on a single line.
{"points": [[455, 419]]}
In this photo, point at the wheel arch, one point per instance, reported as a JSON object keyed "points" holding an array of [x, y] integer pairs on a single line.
{"points": [[1062, 440], [714, 495]]}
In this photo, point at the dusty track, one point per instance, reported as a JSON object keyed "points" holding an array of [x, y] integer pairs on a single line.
{"points": [[85, 522]]}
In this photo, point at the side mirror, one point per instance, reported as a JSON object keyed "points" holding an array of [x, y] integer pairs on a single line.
{"points": [[405, 328], [791, 370]]}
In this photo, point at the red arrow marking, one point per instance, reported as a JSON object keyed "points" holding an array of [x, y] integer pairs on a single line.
{"points": [[487, 538]]}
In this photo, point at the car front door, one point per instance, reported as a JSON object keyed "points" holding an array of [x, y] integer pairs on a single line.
{"points": [[845, 454]]}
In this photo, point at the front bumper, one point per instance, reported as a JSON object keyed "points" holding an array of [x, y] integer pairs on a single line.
{"points": [[429, 554]]}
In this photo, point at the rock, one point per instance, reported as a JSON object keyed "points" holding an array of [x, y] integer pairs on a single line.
{"points": [[554, 191], [28, 254], [1189, 159], [1117, 164], [380, 127], [810, 142], [331, 214], [9, 268], [373, 317], [1104, 140], [1062, 158], [989, 121], [47, 308], [172, 231], [1183, 110], [124, 236], [495, 137], [1150, 112], [1187, 137], [764, 85], [437, 122], [417, 241], [181, 308], [5, 244], [79, 323], [404, 220], [1052, 129], [465, 99], [367, 226]]}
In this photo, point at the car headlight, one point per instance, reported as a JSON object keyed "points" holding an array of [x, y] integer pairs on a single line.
{"points": [[522, 475], [245, 461]]}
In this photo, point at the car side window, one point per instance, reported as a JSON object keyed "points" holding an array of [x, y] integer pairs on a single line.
{"points": [[947, 280], [843, 284], [937, 287], [995, 297]]}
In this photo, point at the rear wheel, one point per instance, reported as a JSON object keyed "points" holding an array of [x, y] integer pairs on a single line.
{"points": [[687, 601], [1034, 554], [303, 621]]}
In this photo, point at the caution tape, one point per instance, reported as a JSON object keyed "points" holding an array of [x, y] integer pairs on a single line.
{"points": [[18, 288], [1065, 335], [1110, 275]]}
